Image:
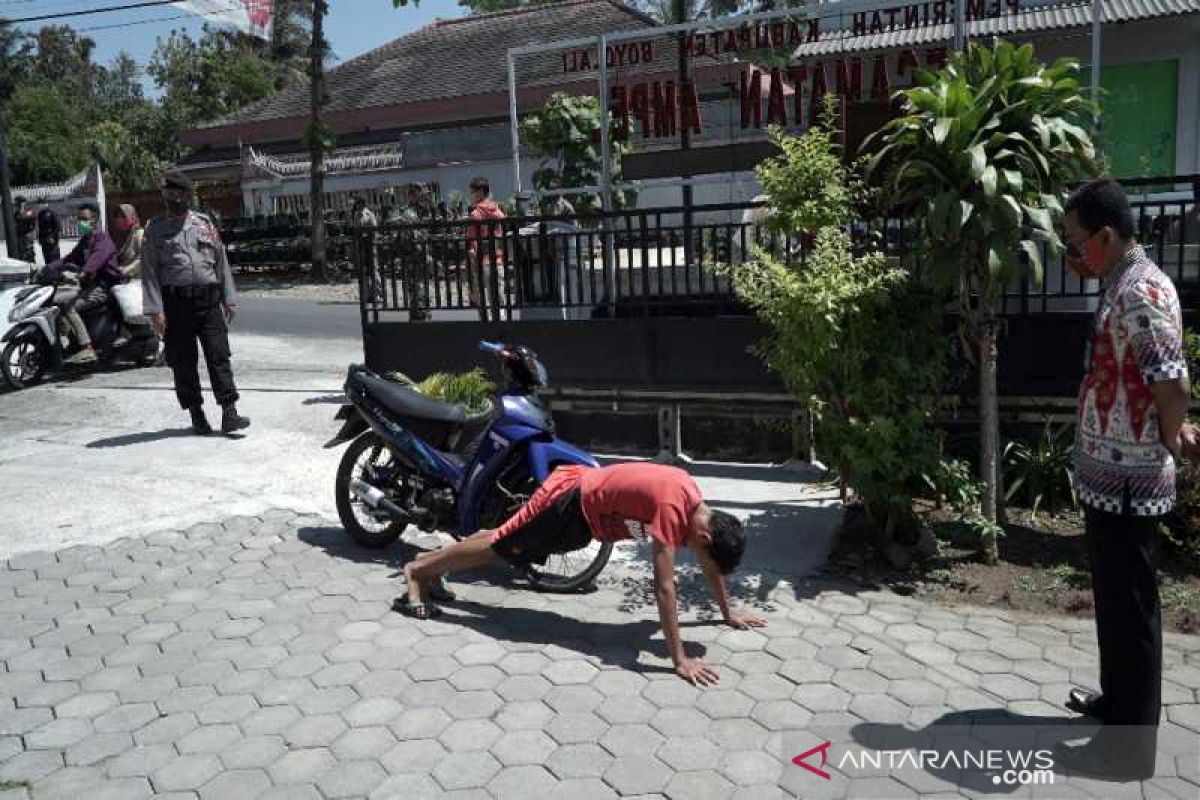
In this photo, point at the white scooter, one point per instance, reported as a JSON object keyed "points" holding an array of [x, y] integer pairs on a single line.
{"points": [[36, 343]]}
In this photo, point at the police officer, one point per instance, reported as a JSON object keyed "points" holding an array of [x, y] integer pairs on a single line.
{"points": [[47, 233], [189, 294], [26, 228]]}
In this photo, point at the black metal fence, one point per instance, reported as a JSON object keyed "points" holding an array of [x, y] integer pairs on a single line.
{"points": [[657, 262]]}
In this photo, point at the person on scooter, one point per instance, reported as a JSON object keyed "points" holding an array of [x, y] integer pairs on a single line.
{"points": [[95, 259], [129, 237], [625, 501], [189, 294]]}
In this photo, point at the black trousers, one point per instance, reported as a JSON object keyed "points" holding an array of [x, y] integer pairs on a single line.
{"points": [[193, 318], [1124, 555]]}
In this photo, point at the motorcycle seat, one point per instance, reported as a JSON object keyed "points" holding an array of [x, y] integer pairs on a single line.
{"points": [[407, 402]]}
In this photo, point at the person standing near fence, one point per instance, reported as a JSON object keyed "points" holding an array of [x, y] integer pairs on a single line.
{"points": [[485, 250], [190, 295], [1130, 436]]}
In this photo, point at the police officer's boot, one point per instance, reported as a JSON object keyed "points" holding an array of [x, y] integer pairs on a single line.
{"points": [[199, 422], [232, 421]]}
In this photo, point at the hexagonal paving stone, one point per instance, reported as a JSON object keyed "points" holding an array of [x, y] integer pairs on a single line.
{"points": [[382, 683], [191, 698], [300, 666], [819, 697], [97, 747], [738, 734], [228, 709], [466, 770], [523, 663], [750, 767], [420, 723], [917, 692], [570, 672], [415, 756], [327, 701], [339, 674], [522, 782], [1010, 687], [897, 667], [270, 720], [523, 687], [477, 678], [58, 734], [631, 740], [316, 731], [579, 761], [302, 766], [31, 766], [473, 705], [523, 747], [860, 681], [141, 761], [766, 687], [470, 735], [671, 692], [351, 779], [576, 728], [254, 752], [701, 785], [186, 773], [781, 715], [87, 705], [724, 703], [208, 739], [623, 710], [805, 670], [672, 722], [1014, 649], [524, 715], [372, 711], [637, 775], [428, 668], [573, 699], [481, 653], [360, 743], [236, 784]]}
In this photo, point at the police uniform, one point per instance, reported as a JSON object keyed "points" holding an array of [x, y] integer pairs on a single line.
{"points": [[186, 275]]}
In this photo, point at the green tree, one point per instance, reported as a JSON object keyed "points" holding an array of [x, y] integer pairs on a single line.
{"points": [[854, 336], [45, 128], [564, 134], [128, 164], [982, 152]]}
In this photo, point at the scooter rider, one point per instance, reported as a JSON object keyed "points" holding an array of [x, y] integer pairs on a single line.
{"points": [[95, 258], [189, 294]]}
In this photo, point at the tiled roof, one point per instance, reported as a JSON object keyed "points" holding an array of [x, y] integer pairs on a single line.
{"points": [[452, 58], [1046, 17]]}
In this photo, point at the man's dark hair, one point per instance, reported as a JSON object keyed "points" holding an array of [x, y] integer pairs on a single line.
{"points": [[1102, 204], [728, 540], [89, 206], [481, 185]]}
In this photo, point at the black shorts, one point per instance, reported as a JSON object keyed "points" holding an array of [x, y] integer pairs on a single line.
{"points": [[560, 528]]}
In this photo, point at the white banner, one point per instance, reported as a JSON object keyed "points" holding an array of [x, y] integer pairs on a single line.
{"points": [[249, 16]]}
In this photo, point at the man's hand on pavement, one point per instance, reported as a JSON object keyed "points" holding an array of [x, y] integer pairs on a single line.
{"points": [[697, 673], [745, 621], [159, 321]]}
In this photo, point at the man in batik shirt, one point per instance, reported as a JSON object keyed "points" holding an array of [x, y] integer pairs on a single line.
{"points": [[1131, 435]]}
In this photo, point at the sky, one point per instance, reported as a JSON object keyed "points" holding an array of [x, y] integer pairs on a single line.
{"points": [[353, 26]]}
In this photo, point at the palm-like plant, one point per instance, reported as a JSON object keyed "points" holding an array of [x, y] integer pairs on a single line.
{"points": [[982, 153]]}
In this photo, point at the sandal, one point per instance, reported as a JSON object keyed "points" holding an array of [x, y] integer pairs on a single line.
{"points": [[419, 611]]}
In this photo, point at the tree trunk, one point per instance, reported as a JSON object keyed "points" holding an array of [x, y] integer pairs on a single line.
{"points": [[317, 140], [989, 430]]}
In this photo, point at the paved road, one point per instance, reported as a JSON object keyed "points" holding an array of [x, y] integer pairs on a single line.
{"points": [[278, 316]]}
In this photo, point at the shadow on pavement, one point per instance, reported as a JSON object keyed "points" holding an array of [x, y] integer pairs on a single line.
{"points": [[326, 399], [999, 734], [145, 437]]}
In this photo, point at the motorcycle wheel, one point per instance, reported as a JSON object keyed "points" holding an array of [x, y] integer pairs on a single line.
{"points": [[563, 573], [24, 363], [357, 517]]}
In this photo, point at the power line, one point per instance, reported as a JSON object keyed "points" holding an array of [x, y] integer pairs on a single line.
{"points": [[150, 21], [104, 10]]}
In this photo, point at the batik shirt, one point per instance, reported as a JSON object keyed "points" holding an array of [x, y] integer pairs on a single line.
{"points": [[1136, 340]]}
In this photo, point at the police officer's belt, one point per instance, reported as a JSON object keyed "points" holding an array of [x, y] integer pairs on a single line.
{"points": [[206, 291]]}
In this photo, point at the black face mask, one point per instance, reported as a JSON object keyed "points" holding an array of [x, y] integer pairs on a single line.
{"points": [[177, 207]]}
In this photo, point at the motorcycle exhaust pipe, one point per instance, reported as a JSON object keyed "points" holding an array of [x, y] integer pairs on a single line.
{"points": [[376, 499]]}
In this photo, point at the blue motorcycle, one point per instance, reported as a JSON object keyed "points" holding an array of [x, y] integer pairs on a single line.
{"points": [[414, 460]]}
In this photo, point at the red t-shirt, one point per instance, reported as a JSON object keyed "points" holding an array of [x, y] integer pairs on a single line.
{"points": [[624, 501]]}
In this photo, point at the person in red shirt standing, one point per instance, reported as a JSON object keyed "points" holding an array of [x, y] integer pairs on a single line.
{"points": [[485, 250], [625, 501]]}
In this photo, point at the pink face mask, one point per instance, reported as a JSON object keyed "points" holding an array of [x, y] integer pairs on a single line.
{"points": [[126, 224]]}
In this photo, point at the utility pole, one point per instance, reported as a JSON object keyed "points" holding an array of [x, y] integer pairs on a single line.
{"points": [[316, 138], [6, 203]]}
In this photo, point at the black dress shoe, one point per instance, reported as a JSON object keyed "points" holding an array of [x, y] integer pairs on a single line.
{"points": [[200, 424], [1090, 704], [231, 421], [1099, 760]]}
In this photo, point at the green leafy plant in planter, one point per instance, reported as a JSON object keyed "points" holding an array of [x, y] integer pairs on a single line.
{"points": [[1181, 528], [982, 153], [1042, 470], [473, 390]]}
